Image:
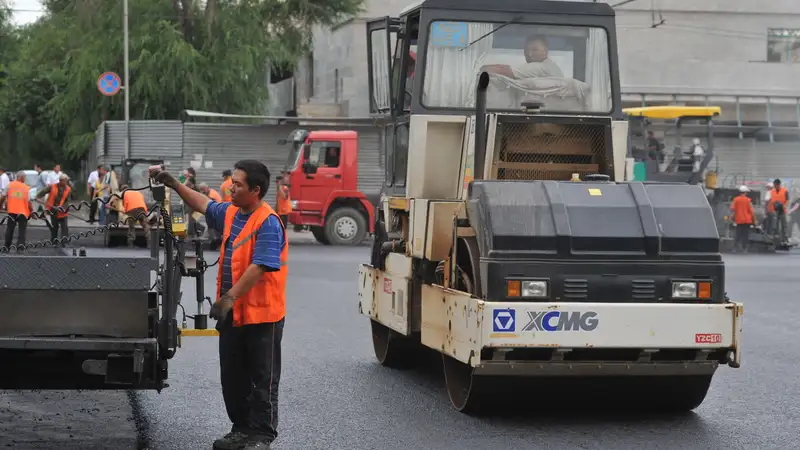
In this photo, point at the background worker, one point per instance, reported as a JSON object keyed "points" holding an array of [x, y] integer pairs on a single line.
{"points": [[19, 208], [225, 188], [777, 206], [283, 201], [743, 215], [59, 193], [91, 187], [250, 312], [216, 238], [135, 207]]}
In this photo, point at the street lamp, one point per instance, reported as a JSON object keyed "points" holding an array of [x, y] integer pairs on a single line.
{"points": [[126, 81]]}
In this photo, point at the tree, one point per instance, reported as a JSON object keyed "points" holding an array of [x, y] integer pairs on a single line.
{"points": [[184, 54]]}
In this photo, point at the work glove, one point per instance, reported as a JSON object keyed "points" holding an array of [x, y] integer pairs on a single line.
{"points": [[163, 177], [220, 309]]}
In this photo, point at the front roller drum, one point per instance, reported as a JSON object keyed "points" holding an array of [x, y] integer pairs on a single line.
{"points": [[478, 395], [392, 349]]}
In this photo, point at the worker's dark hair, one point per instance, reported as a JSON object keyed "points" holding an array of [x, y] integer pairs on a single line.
{"points": [[191, 171], [777, 181], [99, 166], [536, 37], [256, 175], [227, 173]]}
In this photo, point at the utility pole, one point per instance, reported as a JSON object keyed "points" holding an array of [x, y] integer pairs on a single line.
{"points": [[127, 80]]}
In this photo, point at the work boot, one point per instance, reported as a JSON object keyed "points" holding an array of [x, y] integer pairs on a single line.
{"points": [[231, 441], [255, 444]]}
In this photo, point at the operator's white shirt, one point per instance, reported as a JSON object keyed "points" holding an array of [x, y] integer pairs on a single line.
{"points": [[4, 181]]}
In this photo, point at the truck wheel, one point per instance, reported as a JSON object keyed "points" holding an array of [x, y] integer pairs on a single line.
{"points": [[345, 226], [319, 235], [391, 348]]}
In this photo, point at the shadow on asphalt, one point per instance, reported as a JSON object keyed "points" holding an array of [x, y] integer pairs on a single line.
{"points": [[551, 404]]}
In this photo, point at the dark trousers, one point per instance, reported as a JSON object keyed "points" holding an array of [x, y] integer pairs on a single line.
{"points": [[55, 224], [285, 220], [20, 222], [742, 238], [93, 207], [250, 370]]}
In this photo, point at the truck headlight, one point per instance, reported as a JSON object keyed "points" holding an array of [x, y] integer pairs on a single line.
{"points": [[527, 288], [691, 289], [294, 204]]}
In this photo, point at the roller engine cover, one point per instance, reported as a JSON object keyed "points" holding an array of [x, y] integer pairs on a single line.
{"points": [[595, 241]]}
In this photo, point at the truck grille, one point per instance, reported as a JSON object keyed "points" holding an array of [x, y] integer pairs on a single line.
{"points": [[551, 151], [644, 290], [576, 289]]}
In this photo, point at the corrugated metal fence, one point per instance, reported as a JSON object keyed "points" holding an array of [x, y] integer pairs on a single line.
{"points": [[212, 148]]}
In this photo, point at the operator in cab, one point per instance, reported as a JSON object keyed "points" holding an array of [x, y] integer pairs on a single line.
{"points": [[537, 64], [57, 196], [743, 217], [251, 305], [18, 205], [283, 200], [135, 207]]}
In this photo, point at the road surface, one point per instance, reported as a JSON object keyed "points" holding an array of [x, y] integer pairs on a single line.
{"points": [[335, 396]]}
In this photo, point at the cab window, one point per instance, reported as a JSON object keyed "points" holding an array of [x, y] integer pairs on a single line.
{"points": [[325, 154]]}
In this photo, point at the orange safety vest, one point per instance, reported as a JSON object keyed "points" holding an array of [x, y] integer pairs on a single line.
{"points": [[284, 202], [226, 190], [132, 200], [52, 199], [742, 208], [214, 195], [776, 197], [266, 301], [18, 198]]}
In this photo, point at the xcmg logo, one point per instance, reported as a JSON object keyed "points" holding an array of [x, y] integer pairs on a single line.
{"points": [[561, 321]]}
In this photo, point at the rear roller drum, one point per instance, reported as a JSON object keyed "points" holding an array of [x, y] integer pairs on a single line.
{"points": [[392, 349], [676, 394], [471, 394]]}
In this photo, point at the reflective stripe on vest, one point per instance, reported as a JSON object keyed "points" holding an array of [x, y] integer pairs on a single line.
{"points": [[51, 200], [18, 198], [266, 301]]}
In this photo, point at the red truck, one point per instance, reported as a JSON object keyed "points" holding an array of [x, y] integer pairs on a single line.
{"points": [[322, 175]]}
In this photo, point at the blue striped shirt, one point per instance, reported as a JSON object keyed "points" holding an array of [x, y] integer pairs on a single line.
{"points": [[270, 240]]}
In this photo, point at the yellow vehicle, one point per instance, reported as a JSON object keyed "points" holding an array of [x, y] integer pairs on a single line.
{"points": [[674, 160]]}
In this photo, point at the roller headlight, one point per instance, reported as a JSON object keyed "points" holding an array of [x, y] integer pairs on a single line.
{"points": [[691, 290], [527, 288]]}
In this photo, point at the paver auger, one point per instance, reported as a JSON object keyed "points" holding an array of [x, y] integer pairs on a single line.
{"points": [[487, 252], [76, 321]]}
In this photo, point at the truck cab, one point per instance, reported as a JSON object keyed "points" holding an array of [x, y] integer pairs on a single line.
{"points": [[322, 176]]}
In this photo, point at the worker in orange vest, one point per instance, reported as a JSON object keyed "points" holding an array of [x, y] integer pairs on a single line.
{"points": [[742, 207], [135, 207], [18, 205], [777, 206], [251, 305], [225, 188], [283, 201], [216, 238], [56, 205]]}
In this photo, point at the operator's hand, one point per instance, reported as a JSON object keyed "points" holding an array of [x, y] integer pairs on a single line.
{"points": [[220, 309], [163, 177]]}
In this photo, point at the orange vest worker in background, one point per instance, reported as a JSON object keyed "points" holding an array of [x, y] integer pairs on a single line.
{"points": [[225, 188], [135, 206], [19, 207], [283, 202], [57, 198], [742, 207], [250, 312], [133, 200]]}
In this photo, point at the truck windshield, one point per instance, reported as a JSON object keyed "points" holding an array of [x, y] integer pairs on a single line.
{"points": [[565, 67], [295, 154]]}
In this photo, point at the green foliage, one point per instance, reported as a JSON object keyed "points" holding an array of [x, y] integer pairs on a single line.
{"points": [[184, 54]]}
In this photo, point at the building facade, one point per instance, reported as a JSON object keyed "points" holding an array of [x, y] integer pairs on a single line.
{"points": [[741, 55]]}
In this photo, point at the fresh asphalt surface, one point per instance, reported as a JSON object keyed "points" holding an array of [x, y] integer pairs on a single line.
{"points": [[334, 395]]}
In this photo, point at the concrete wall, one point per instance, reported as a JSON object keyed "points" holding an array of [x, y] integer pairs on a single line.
{"points": [[709, 47]]}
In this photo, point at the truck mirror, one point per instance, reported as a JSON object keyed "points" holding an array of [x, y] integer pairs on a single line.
{"points": [[309, 168]]}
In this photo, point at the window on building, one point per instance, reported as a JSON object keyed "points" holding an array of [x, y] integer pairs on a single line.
{"points": [[324, 154], [783, 45]]}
